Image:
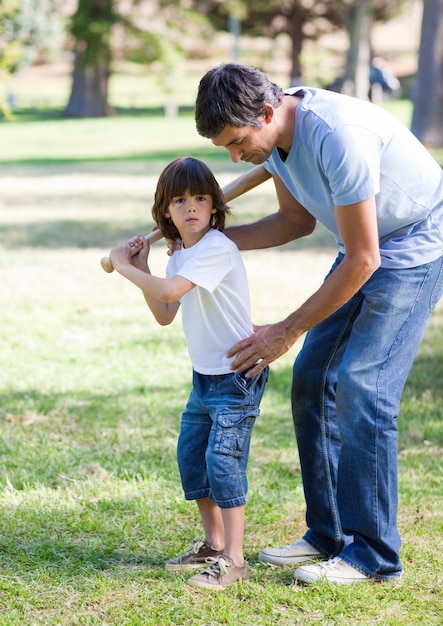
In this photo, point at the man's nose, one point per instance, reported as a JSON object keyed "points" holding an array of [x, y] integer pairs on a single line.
{"points": [[235, 153]]}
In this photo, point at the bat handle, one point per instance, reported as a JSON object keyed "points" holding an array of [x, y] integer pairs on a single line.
{"points": [[153, 236], [237, 187]]}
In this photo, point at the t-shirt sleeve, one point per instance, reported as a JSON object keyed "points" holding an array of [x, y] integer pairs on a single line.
{"points": [[209, 265], [353, 174]]}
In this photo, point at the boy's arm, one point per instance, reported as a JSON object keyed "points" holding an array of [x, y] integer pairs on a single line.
{"points": [[161, 294]]}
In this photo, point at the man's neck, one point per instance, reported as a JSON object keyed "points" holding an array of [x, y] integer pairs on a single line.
{"points": [[287, 113]]}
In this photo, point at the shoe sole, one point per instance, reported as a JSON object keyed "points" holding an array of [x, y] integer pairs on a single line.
{"points": [[177, 567], [308, 578], [287, 560], [203, 585], [208, 586]]}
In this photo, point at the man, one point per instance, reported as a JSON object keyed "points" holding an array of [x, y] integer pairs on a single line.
{"points": [[351, 166]]}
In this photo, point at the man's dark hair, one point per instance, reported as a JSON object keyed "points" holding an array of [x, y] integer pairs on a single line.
{"points": [[233, 94]]}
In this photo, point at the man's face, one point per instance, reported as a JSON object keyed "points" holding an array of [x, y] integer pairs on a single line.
{"points": [[251, 144]]}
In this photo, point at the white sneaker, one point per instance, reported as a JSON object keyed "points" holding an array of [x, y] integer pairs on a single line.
{"points": [[334, 571], [294, 553]]}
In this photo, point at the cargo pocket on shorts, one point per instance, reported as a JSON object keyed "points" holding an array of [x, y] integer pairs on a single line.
{"points": [[233, 432]]}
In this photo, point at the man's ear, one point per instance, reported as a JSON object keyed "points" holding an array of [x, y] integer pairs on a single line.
{"points": [[268, 113]]}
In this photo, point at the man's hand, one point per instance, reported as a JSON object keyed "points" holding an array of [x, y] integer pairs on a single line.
{"points": [[266, 345], [173, 245]]}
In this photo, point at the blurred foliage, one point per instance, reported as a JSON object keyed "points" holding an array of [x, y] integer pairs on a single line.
{"points": [[92, 25], [299, 19], [137, 30], [27, 29]]}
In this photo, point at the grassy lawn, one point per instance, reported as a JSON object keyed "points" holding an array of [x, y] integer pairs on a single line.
{"points": [[92, 391]]}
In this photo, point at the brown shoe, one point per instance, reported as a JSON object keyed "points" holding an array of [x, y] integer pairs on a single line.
{"points": [[220, 574], [196, 558]]}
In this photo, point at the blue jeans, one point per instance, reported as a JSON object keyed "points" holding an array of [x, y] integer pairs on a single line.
{"points": [[215, 435], [347, 385]]}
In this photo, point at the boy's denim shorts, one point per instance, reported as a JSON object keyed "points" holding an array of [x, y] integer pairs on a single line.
{"points": [[215, 434]]}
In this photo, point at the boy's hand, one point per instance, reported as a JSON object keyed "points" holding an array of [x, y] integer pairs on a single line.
{"points": [[121, 255], [126, 253], [140, 259]]}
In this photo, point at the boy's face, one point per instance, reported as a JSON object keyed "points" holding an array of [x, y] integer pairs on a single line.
{"points": [[191, 216]]}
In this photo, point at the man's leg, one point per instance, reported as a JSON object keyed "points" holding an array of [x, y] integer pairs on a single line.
{"points": [[318, 440], [380, 351], [316, 428]]}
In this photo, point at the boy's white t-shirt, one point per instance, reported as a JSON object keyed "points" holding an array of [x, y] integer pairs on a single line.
{"points": [[216, 313]]}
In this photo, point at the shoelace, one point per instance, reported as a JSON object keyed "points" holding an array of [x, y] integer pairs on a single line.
{"points": [[197, 545], [216, 566], [329, 564]]}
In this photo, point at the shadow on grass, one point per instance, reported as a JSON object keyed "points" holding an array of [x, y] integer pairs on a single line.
{"points": [[50, 114], [55, 235], [129, 432], [165, 155], [86, 448], [18, 553], [59, 234]]}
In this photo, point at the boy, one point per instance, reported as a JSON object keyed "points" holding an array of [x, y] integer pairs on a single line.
{"points": [[208, 279]]}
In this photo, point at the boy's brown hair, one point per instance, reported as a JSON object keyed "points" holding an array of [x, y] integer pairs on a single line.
{"points": [[184, 176]]}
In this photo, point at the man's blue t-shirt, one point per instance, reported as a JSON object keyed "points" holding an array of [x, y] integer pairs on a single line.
{"points": [[346, 150]]}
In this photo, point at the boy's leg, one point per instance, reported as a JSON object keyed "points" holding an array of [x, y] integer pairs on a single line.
{"points": [[230, 567], [233, 405], [195, 428], [234, 524], [213, 522]]}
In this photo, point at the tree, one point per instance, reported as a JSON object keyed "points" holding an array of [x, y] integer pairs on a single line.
{"points": [[91, 27], [139, 30], [427, 118], [358, 20], [300, 19], [309, 19]]}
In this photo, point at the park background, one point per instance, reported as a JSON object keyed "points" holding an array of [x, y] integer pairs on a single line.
{"points": [[92, 388]]}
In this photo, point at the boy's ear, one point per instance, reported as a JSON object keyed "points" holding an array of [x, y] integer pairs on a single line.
{"points": [[168, 215], [213, 210]]}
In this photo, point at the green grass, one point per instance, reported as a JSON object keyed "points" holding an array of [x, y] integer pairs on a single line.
{"points": [[92, 391]]}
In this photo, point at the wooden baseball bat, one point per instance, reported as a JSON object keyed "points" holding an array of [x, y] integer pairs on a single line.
{"points": [[234, 189]]}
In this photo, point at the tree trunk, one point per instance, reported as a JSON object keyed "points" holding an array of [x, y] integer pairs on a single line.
{"points": [[427, 118], [359, 22], [91, 27], [296, 34], [89, 92]]}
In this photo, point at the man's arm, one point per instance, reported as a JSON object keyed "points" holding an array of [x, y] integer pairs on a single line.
{"points": [[290, 222], [357, 224]]}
